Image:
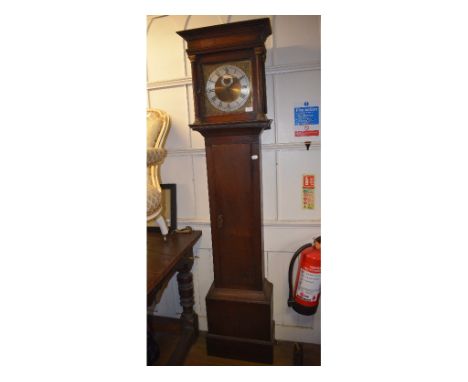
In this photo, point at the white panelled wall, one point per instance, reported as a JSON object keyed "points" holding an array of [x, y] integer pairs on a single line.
{"points": [[293, 76]]}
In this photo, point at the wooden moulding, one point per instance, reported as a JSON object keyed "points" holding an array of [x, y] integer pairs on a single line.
{"points": [[242, 34], [232, 128], [232, 42]]}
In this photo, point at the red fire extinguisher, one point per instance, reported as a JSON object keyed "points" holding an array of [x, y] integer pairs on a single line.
{"points": [[305, 296]]}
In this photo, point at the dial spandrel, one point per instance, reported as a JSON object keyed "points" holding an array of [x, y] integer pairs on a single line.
{"points": [[228, 87]]}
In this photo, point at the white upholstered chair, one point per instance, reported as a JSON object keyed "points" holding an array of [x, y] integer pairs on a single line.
{"points": [[157, 128]]}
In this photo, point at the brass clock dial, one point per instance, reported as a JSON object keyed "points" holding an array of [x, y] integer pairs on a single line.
{"points": [[228, 88]]}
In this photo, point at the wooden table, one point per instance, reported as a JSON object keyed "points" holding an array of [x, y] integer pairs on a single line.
{"points": [[164, 258]]}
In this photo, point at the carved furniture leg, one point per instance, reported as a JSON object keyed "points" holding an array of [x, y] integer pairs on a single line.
{"points": [[188, 318]]}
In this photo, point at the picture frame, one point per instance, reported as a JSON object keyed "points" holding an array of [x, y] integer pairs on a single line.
{"points": [[169, 211]]}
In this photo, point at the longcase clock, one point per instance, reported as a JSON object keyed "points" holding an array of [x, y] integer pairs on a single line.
{"points": [[228, 75]]}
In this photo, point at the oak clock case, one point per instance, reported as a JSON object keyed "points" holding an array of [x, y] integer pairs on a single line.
{"points": [[228, 76]]}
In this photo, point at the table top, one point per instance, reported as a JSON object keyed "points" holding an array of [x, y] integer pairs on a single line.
{"points": [[162, 256]]}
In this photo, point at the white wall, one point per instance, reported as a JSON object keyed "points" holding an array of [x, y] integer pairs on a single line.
{"points": [[293, 76]]}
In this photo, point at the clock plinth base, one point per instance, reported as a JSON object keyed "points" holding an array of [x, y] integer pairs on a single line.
{"points": [[240, 348], [240, 323]]}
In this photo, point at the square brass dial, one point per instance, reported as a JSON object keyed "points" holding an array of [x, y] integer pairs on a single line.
{"points": [[227, 88]]}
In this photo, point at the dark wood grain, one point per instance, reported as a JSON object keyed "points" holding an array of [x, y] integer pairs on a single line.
{"points": [[283, 355], [241, 313], [239, 303], [163, 256], [232, 214], [244, 40], [216, 38]]}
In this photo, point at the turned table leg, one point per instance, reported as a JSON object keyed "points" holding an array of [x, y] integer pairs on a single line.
{"points": [[189, 318]]}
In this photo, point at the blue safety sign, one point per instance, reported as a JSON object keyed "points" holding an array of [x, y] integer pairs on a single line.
{"points": [[306, 115]]}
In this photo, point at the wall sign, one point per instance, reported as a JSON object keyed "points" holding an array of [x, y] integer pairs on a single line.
{"points": [[308, 187], [306, 121]]}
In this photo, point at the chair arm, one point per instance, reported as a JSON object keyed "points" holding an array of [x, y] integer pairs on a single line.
{"points": [[155, 156]]}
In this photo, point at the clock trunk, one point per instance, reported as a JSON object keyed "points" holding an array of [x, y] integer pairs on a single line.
{"points": [[239, 302]]}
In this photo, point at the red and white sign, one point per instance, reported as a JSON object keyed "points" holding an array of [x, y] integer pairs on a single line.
{"points": [[306, 133], [308, 187]]}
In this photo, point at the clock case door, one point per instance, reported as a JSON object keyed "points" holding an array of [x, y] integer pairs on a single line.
{"points": [[234, 187]]}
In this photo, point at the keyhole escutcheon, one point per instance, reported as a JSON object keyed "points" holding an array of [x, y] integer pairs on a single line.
{"points": [[220, 221]]}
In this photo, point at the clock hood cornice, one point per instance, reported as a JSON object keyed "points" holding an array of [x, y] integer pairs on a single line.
{"points": [[217, 38]]}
